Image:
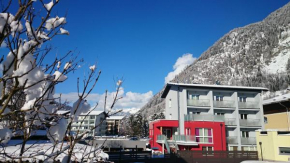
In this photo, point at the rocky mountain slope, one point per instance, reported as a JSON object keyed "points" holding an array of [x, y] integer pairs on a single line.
{"points": [[255, 55]]}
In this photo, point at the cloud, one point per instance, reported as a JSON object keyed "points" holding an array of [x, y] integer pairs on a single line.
{"points": [[180, 64], [130, 101]]}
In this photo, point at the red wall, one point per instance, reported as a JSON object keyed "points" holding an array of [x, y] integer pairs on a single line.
{"points": [[218, 131]]}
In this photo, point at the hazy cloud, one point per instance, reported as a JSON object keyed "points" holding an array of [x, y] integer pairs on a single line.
{"points": [[130, 101], [180, 64]]}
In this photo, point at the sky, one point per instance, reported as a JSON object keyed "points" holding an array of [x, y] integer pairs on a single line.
{"points": [[146, 42]]}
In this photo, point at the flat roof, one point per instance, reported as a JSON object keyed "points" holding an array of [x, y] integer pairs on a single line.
{"points": [[115, 117], [226, 87], [94, 112]]}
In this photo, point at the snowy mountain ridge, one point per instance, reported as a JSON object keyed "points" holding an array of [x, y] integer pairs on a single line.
{"points": [[255, 55]]}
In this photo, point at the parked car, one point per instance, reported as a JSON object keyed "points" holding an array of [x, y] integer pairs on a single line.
{"points": [[134, 138]]}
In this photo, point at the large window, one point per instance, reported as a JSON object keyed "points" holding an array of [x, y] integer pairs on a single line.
{"points": [[284, 150], [219, 98], [203, 135], [194, 97], [243, 99]]}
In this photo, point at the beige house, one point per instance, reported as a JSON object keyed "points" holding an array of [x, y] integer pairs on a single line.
{"points": [[276, 113]]}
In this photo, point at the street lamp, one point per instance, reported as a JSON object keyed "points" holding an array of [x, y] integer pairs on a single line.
{"points": [[261, 150]]}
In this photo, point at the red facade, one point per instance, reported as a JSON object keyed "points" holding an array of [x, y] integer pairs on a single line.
{"points": [[207, 135]]}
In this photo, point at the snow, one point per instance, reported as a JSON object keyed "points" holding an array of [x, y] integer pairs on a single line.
{"points": [[93, 67], [5, 135], [56, 133], [63, 31], [40, 150], [16, 26], [280, 98], [67, 66], [28, 28], [79, 107], [58, 76], [278, 64], [49, 5], [119, 82], [28, 105], [5, 18], [54, 22]]}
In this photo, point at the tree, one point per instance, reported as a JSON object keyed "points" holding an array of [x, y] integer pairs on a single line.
{"points": [[27, 100]]}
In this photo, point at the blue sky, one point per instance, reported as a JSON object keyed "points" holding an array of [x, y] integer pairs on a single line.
{"points": [[141, 40]]}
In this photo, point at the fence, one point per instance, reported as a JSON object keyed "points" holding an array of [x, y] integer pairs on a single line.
{"points": [[217, 156], [184, 157]]}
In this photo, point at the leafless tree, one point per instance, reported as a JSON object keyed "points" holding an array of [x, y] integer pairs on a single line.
{"points": [[28, 83]]}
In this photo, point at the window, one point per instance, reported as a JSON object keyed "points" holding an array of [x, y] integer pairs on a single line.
{"points": [[207, 148], [243, 99], [219, 113], [245, 134], [265, 120], [194, 97], [244, 116], [219, 98], [284, 150], [196, 112], [169, 103], [187, 131], [92, 117], [203, 135]]}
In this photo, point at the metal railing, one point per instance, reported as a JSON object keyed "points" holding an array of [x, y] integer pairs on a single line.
{"points": [[230, 121], [250, 122], [200, 103], [185, 138], [203, 117], [224, 104], [232, 140], [249, 105], [248, 141]]}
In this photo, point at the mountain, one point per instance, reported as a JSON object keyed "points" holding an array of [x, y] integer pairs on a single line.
{"points": [[255, 55]]}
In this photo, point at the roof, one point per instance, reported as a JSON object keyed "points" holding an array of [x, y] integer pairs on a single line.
{"points": [[94, 112], [226, 87], [278, 99], [116, 117]]}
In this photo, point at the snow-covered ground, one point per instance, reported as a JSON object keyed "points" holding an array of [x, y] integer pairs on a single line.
{"points": [[42, 149], [279, 63]]}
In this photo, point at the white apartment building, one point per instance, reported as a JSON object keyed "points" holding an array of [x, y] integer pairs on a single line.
{"points": [[91, 121], [239, 107]]}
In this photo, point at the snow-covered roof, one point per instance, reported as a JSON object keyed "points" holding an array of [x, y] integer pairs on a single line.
{"points": [[95, 112], [168, 85], [116, 117], [280, 98]]}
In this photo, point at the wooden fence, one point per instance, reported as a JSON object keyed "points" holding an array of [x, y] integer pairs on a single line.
{"points": [[184, 157]]}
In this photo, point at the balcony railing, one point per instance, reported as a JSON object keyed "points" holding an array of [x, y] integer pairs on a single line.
{"points": [[203, 117], [183, 138], [249, 105], [224, 104], [199, 103], [248, 141], [250, 122], [232, 140], [230, 121]]}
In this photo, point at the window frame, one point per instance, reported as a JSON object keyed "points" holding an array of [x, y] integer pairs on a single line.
{"points": [[284, 154], [203, 136]]}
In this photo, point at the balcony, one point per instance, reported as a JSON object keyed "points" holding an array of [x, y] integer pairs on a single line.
{"points": [[177, 138], [249, 105], [198, 103], [248, 141], [224, 104], [230, 122], [203, 117], [232, 140], [250, 122]]}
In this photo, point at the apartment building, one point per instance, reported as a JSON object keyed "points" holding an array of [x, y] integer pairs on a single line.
{"points": [[240, 108], [91, 122], [113, 125]]}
